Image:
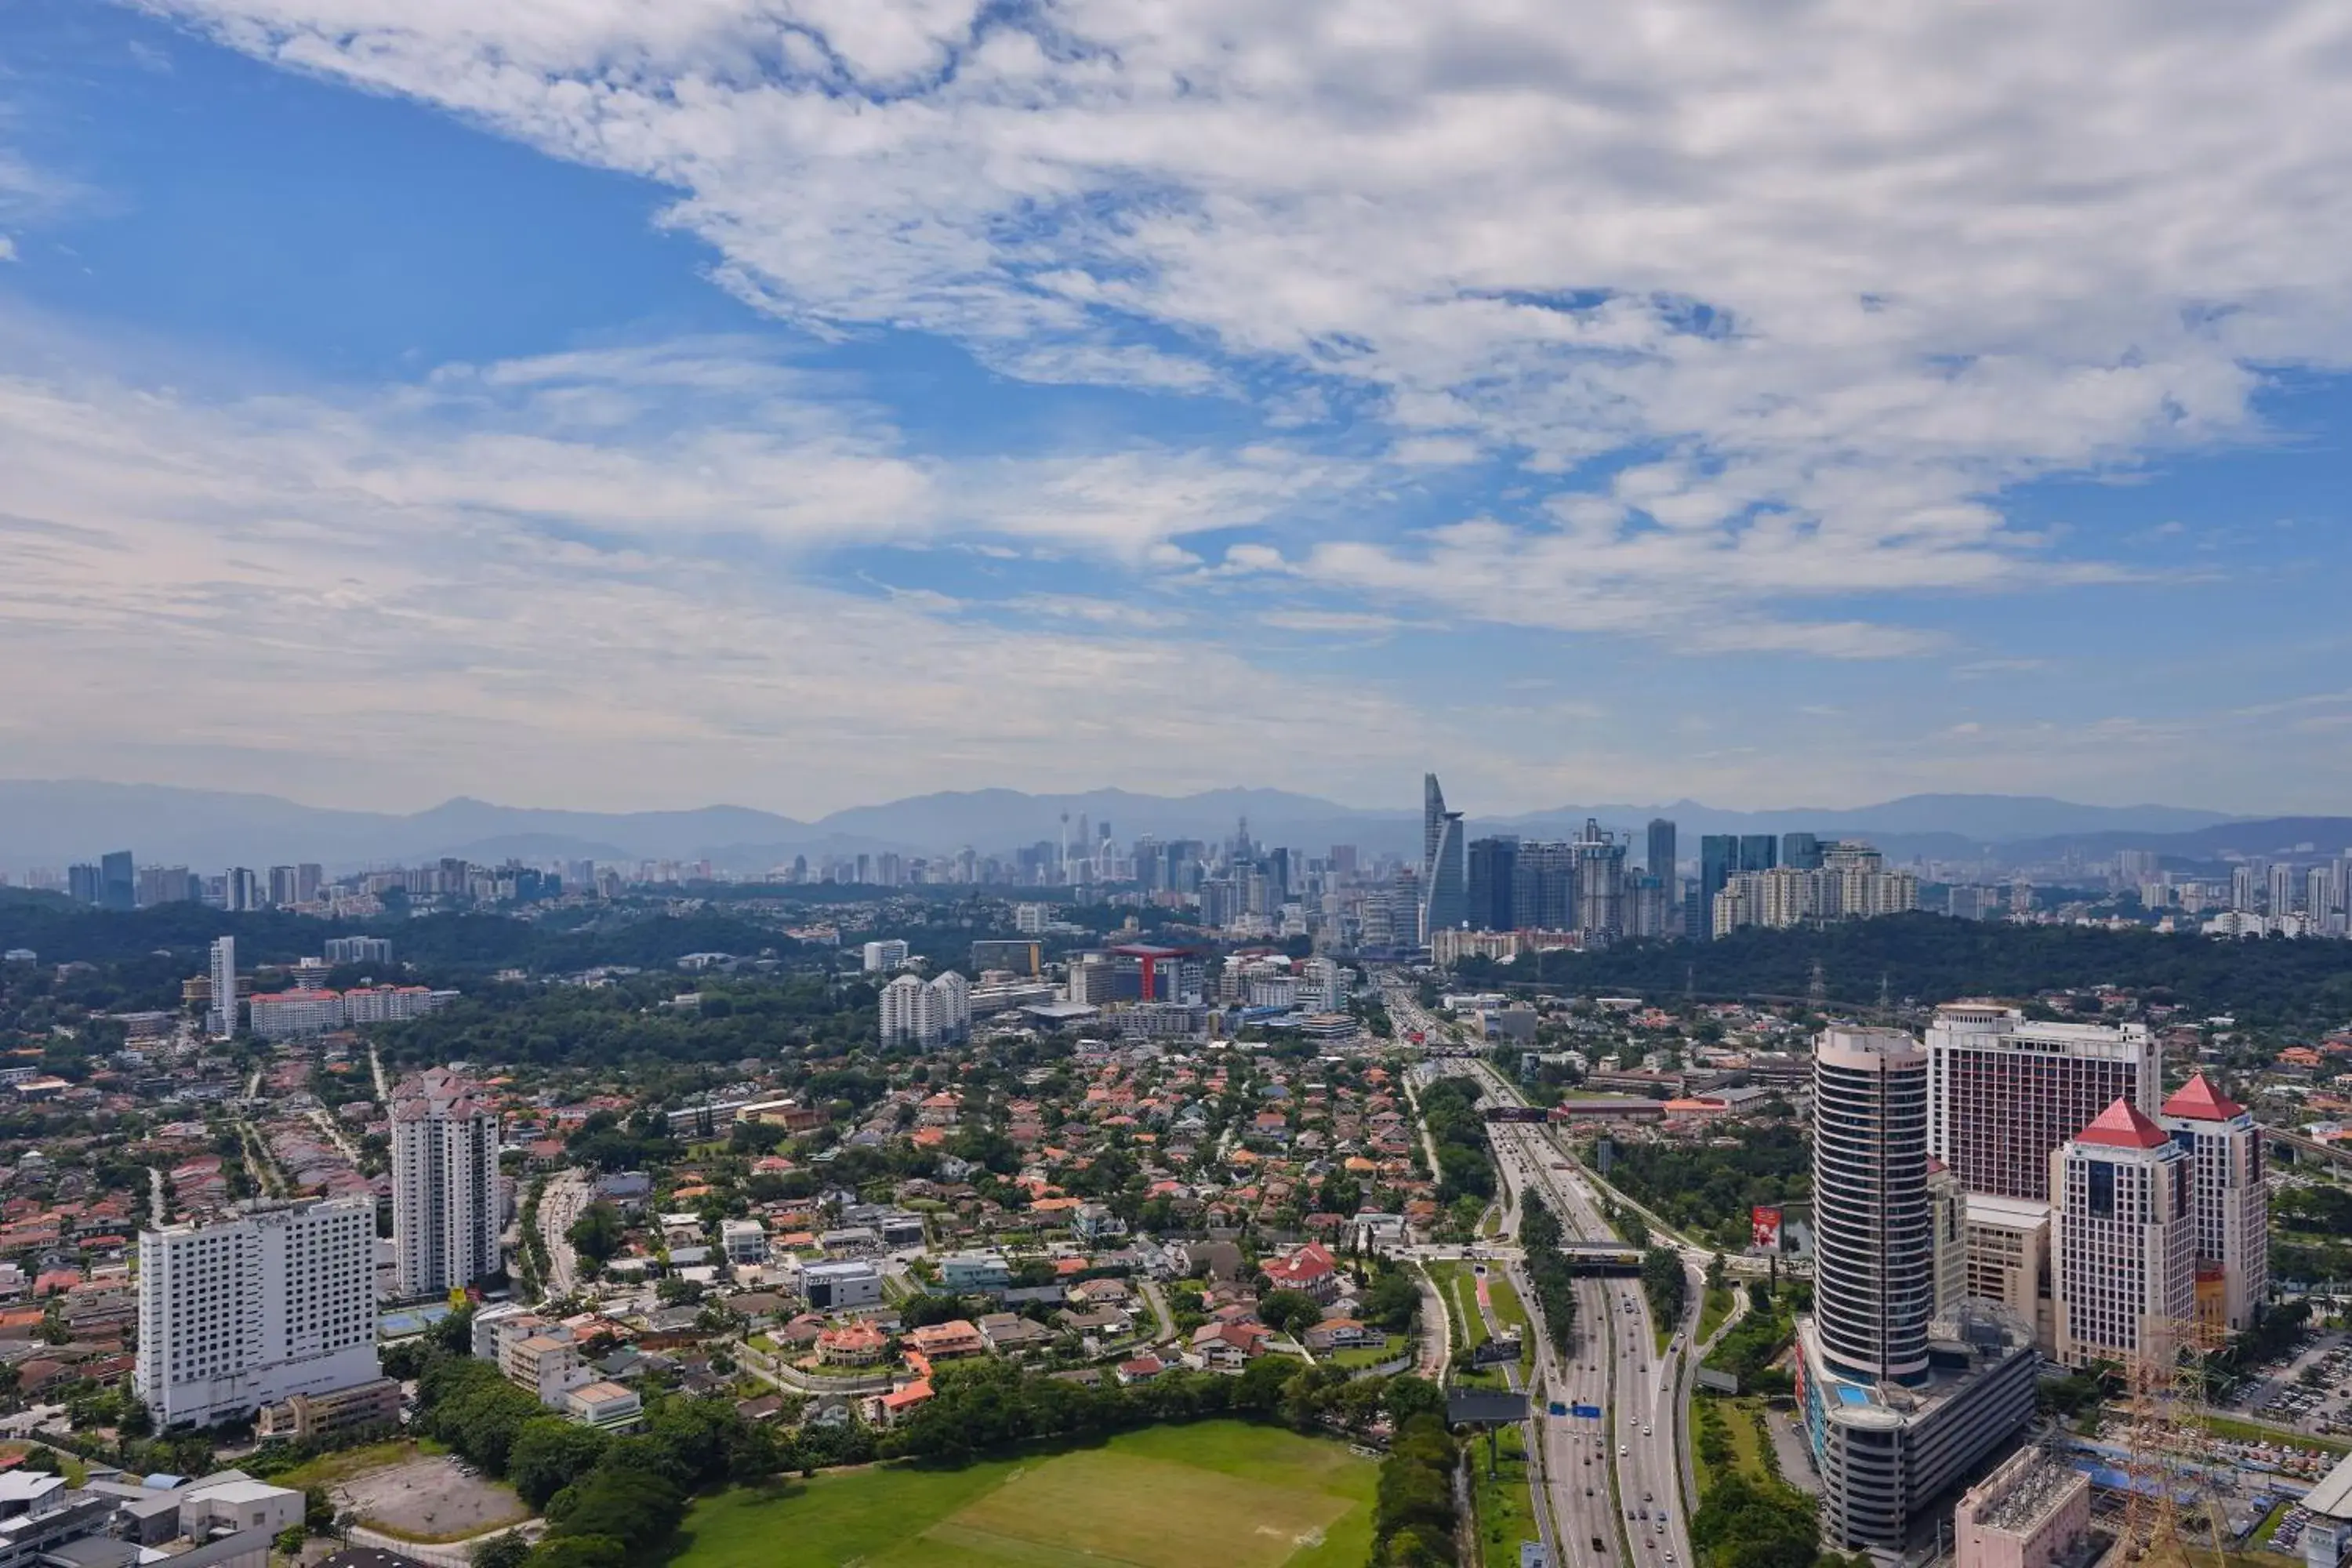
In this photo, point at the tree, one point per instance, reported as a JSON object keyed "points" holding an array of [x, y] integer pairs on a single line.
{"points": [[596, 1234], [1663, 1283], [1291, 1312], [578, 1552], [507, 1550], [290, 1540], [549, 1454]]}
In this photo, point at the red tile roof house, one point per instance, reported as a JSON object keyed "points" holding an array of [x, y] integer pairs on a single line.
{"points": [[1228, 1347], [1311, 1268]]}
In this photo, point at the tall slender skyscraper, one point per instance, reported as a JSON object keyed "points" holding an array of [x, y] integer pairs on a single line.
{"points": [[1874, 1243], [445, 1184], [1661, 863], [220, 1016], [1445, 871], [1891, 1426]]}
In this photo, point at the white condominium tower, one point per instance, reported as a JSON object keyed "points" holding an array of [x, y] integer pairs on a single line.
{"points": [[220, 1015], [2004, 1091], [445, 1184], [917, 1012], [2122, 1238], [245, 1311], [2232, 1205]]}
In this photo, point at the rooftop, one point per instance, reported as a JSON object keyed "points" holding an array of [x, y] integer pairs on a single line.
{"points": [[2123, 1126], [2199, 1100], [2037, 1490]]}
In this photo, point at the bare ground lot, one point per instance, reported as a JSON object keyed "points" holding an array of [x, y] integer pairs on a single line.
{"points": [[426, 1498]]}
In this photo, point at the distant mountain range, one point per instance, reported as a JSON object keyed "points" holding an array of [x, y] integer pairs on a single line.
{"points": [[52, 823]]}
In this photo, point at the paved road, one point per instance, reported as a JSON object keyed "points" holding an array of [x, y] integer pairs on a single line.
{"points": [[1621, 1473], [559, 1206]]}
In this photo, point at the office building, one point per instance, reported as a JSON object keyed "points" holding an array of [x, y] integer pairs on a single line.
{"points": [[1445, 870], [1660, 862], [118, 882], [220, 1017], [1024, 955], [2229, 1200], [84, 882], [242, 1313], [1722, 857], [916, 1012], [285, 890], [1895, 1413], [1800, 851], [1873, 1237], [2123, 1240], [240, 890], [881, 957], [2003, 1091], [2033, 1511], [446, 1215], [1493, 864]]}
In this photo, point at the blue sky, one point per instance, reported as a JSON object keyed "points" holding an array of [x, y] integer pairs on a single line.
{"points": [[597, 404]]}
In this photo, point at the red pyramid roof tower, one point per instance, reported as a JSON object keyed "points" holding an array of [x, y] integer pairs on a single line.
{"points": [[2122, 1126], [2198, 1100]]}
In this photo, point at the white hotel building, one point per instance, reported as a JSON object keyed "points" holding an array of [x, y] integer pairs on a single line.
{"points": [[244, 1312]]}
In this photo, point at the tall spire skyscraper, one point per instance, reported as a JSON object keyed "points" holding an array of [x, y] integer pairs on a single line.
{"points": [[1445, 864]]}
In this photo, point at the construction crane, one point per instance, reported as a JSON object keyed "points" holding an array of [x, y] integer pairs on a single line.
{"points": [[2166, 1450]]}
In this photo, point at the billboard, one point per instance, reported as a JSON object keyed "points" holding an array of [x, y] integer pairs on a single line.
{"points": [[1764, 1229]]}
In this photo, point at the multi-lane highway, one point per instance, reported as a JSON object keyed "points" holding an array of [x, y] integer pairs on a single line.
{"points": [[1615, 1481]]}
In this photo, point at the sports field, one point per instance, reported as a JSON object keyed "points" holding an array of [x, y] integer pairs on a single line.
{"points": [[1220, 1492]]}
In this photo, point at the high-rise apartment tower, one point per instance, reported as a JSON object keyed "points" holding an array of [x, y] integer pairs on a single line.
{"points": [[446, 1215]]}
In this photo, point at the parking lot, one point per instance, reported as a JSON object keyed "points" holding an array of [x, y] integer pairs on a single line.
{"points": [[2310, 1390]]}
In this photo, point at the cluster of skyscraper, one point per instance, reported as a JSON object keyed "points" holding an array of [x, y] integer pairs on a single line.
{"points": [[2006, 1190], [1508, 883]]}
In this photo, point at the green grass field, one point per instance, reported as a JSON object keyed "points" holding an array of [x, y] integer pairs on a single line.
{"points": [[1225, 1493], [1506, 1502]]}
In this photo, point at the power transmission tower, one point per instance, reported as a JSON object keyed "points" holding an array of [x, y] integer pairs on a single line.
{"points": [[1882, 993], [2165, 1451], [1817, 989]]}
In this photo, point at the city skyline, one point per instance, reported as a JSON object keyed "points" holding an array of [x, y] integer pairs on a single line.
{"points": [[402, 403]]}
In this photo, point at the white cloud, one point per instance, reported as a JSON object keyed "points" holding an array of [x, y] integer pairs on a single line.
{"points": [[8, 248], [309, 595], [1843, 272]]}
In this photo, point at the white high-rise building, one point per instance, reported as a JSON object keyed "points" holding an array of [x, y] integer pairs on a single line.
{"points": [[2123, 1240], [915, 1013], [244, 1312], [445, 1184], [2231, 1203], [884, 956], [220, 1018]]}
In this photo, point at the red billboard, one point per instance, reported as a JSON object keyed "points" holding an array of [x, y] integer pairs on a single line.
{"points": [[1764, 1229]]}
